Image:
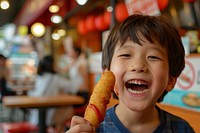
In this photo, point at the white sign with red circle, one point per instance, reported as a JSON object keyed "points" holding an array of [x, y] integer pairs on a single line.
{"points": [[189, 78]]}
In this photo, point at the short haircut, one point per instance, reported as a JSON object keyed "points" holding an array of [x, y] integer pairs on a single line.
{"points": [[154, 29]]}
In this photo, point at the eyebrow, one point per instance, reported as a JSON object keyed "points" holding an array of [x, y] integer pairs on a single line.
{"points": [[155, 46], [159, 48]]}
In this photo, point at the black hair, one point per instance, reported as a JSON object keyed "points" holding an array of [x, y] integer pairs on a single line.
{"points": [[77, 50], [154, 29], [2, 57], [46, 65]]}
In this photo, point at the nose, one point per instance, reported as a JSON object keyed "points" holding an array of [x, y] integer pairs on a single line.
{"points": [[138, 66]]}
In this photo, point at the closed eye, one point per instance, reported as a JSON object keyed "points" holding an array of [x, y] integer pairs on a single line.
{"points": [[124, 55], [154, 58]]}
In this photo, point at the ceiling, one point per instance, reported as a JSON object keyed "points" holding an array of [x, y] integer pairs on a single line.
{"points": [[19, 8], [7, 16]]}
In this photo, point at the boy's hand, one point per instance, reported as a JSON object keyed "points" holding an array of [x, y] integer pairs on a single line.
{"points": [[79, 125]]}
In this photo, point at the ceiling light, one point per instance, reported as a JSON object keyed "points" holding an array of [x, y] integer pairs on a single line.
{"points": [[81, 2], [54, 8], [56, 19], [109, 8], [55, 36], [61, 32], [5, 4], [38, 29], [23, 30]]}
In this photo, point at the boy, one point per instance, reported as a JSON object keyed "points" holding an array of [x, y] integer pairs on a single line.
{"points": [[146, 55]]}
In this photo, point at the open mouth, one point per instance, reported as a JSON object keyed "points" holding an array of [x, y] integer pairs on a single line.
{"points": [[137, 86]]}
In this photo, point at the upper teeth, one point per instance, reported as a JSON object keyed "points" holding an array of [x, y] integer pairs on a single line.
{"points": [[139, 82]]}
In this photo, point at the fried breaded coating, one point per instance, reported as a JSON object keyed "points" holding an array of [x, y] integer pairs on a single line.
{"points": [[96, 109]]}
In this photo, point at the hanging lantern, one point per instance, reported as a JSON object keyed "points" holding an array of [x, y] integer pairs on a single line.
{"points": [[121, 12], [107, 18], [99, 23], [89, 23], [81, 27], [162, 4]]}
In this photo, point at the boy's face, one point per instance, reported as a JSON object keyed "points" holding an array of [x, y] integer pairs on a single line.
{"points": [[142, 73]]}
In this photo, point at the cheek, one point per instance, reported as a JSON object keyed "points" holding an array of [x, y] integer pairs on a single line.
{"points": [[119, 78], [162, 79], [163, 74], [115, 68], [118, 75]]}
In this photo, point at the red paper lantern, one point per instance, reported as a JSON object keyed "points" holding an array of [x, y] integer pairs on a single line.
{"points": [[121, 12], [107, 18], [99, 23], [162, 4], [81, 27], [89, 23]]}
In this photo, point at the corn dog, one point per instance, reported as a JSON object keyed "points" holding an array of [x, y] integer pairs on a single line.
{"points": [[96, 109]]}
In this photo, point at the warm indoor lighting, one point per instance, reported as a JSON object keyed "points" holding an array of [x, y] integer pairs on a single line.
{"points": [[54, 8], [109, 8], [61, 32], [56, 19], [5, 4], [38, 29], [55, 36], [23, 30], [81, 2]]}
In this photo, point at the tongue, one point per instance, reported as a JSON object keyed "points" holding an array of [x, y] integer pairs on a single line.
{"points": [[137, 87]]}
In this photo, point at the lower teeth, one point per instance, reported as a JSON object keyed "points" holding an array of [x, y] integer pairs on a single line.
{"points": [[137, 92]]}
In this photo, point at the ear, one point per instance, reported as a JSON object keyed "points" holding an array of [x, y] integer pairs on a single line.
{"points": [[171, 83]]}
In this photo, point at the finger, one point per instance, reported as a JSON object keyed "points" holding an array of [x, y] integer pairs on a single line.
{"points": [[78, 120], [81, 128]]}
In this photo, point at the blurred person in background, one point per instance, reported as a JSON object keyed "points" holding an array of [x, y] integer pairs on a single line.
{"points": [[77, 71], [49, 83], [4, 77]]}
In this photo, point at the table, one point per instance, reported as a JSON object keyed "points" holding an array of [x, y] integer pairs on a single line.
{"points": [[41, 103]]}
